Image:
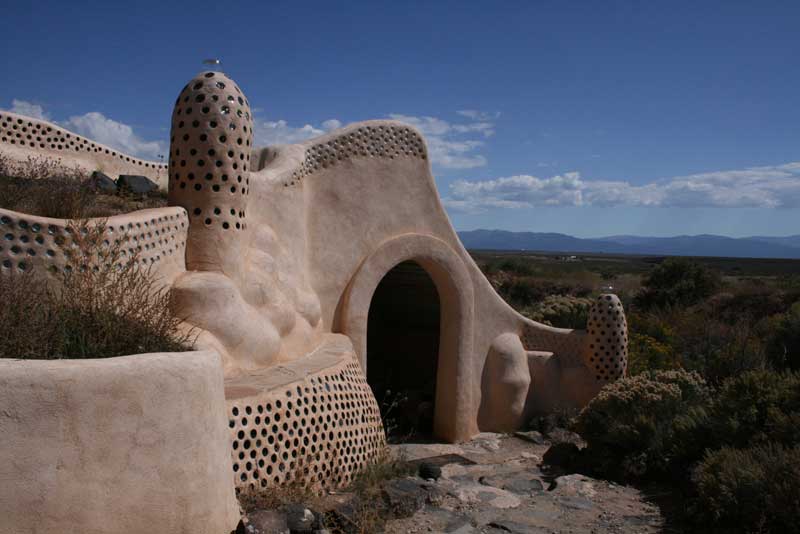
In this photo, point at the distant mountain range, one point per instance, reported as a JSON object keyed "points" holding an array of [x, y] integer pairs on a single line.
{"points": [[683, 245]]}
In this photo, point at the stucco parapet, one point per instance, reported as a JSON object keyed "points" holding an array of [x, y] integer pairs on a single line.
{"points": [[118, 445], [313, 419], [157, 237], [22, 136]]}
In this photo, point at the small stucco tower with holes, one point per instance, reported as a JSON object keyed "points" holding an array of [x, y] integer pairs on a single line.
{"points": [[209, 169], [608, 330]]}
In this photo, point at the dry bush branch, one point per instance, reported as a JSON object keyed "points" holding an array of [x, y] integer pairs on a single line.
{"points": [[105, 304]]}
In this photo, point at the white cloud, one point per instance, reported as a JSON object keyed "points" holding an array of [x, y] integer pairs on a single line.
{"points": [[429, 126], [478, 115], [97, 127], [449, 144], [331, 124], [279, 132], [29, 109], [100, 128], [756, 187]]}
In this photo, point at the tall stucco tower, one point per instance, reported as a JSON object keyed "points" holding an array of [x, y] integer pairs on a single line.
{"points": [[209, 170]]}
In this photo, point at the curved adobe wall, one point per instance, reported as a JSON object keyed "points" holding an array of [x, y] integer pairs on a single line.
{"points": [[129, 445], [245, 285], [372, 139], [158, 236], [589, 359], [314, 418], [362, 184], [369, 183], [23, 137]]}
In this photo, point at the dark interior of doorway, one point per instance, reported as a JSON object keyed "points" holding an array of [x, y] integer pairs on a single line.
{"points": [[403, 350]]}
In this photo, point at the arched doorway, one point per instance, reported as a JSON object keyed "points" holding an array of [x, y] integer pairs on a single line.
{"points": [[455, 410], [403, 350]]}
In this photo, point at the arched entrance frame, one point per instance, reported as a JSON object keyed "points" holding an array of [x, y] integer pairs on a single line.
{"points": [[454, 417]]}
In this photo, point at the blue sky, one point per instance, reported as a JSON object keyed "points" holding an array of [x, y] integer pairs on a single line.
{"points": [[588, 118]]}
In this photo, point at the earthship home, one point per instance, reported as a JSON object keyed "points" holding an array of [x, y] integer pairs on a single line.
{"points": [[318, 275]]}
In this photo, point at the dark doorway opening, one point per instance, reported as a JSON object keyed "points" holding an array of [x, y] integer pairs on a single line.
{"points": [[403, 350]]}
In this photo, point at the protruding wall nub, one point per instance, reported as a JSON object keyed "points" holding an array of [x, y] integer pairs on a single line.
{"points": [[209, 162], [607, 353]]}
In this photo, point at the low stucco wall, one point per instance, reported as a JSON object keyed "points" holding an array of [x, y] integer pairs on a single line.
{"points": [[135, 444], [332, 434], [157, 238], [24, 137]]}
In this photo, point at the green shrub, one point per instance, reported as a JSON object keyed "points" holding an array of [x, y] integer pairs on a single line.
{"points": [[521, 292], [525, 291], [646, 353], [657, 324], [642, 426], [750, 303], [518, 266], [719, 350], [754, 408], [751, 490], [693, 338], [105, 306], [677, 282], [783, 342], [563, 311]]}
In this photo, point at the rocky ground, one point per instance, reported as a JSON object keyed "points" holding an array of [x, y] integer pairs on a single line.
{"points": [[496, 484], [493, 484]]}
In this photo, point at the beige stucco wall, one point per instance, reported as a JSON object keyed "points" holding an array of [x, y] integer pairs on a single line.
{"points": [[129, 445], [371, 202], [23, 137], [156, 237], [246, 287], [314, 417], [287, 243]]}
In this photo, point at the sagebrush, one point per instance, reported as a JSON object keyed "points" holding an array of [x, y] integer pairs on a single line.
{"points": [[642, 426], [677, 282], [105, 303], [47, 188], [749, 490]]}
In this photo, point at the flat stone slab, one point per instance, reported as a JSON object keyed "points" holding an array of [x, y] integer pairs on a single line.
{"points": [[521, 483], [404, 496], [503, 490], [576, 486], [442, 460], [101, 182], [475, 493], [136, 184], [533, 436], [267, 522], [513, 527]]}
